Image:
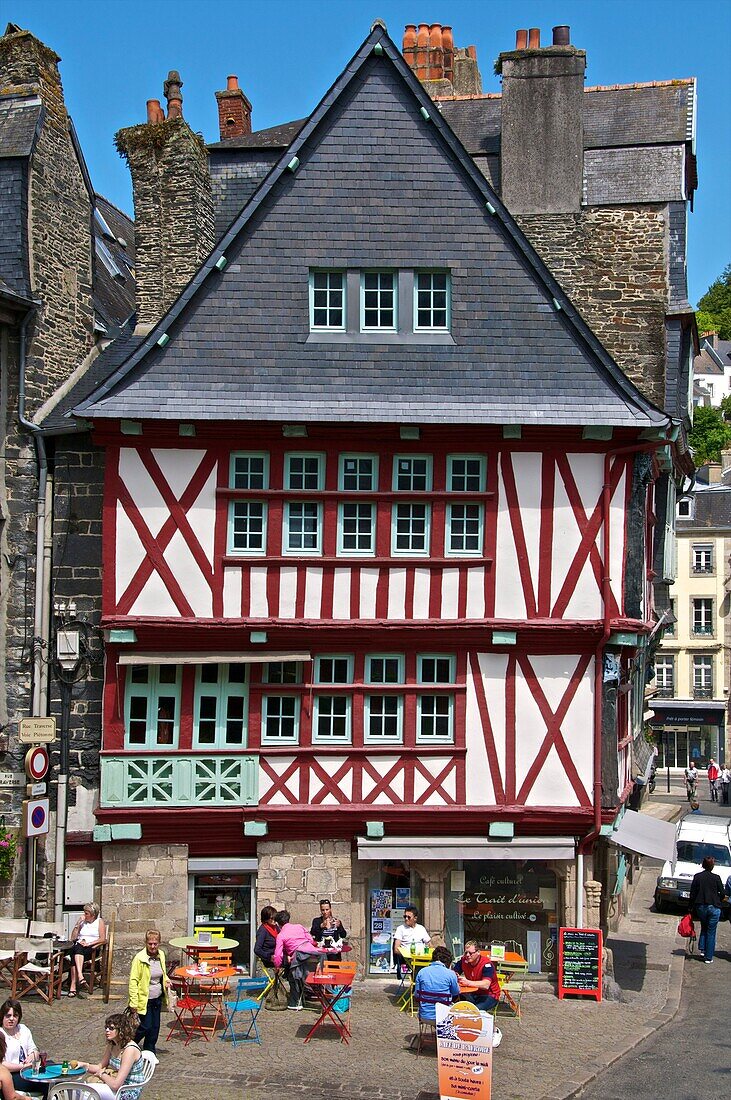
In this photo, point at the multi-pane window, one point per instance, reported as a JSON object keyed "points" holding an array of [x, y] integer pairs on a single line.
{"points": [[358, 473], [247, 526], [435, 718], [280, 719], [331, 718], [410, 529], [304, 471], [465, 474], [378, 300], [384, 669], [383, 719], [327, 300], [283, 672], [703, 617], [702, 676], [219, 716], [152, 705], [302, 527], [665, 675], [703, 557], [435, 669], [334, 670], [464, 529], [356, 528], [412, 473], [249, 471], [431, 306]]}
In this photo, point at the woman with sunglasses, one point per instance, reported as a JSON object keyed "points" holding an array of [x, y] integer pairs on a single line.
{"points": [[122, 1062]]}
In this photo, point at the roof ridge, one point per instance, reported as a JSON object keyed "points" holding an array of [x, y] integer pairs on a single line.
{"points": [[98, 195], [589, 88]]}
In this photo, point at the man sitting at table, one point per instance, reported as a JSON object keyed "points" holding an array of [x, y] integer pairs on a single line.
{"points": [[475, 969], [408, 933], [438, 980], [295, 946], [327, 930]]}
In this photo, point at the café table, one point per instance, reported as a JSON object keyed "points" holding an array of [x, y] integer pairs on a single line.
{"points": [[202, 989], [511, 964], [328, 987], [191, 945], [415, 964], [52, 1074]]}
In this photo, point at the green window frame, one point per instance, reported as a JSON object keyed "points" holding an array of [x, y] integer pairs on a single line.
{"points": [[358, 473], [411, 529], [282, 672], [432, 301], [304, 470], [412, 473], [436, 668], [435, 719], [464, 530], [356, 529], [466, 473], [384, 668], [280, 719], [334, 668], [249, 470], [247, 527], [378, 301], [152, 706], [328, 301], [332, 719], [220, 706], [383, 719], [302, 528]]}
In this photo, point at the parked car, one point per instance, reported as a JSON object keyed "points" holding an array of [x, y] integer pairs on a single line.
{"points": [[699, 835]]}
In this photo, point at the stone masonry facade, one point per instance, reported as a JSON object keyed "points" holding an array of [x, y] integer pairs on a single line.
{"points": [[145, 886]]}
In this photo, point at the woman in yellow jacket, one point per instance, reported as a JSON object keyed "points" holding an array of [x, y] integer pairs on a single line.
{"points": [[148, 989]]}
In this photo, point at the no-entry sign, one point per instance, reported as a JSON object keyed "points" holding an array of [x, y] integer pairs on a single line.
{"points": [[35, 817], [36, 763]]}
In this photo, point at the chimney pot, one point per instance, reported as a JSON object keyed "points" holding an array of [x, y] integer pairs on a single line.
{"points": [[472, 52], [436, 53], [409, 36], [232, 83], [173, 95], [534, 38], [155, 112], [448, 47], [422, 51], [521, 40], [562, 36], [435, 36]]}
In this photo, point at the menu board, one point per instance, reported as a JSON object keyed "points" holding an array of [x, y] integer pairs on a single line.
{"points": [[580, 962]]}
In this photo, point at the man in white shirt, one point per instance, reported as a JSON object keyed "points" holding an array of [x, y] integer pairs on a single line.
{"points": [[408, 933]]}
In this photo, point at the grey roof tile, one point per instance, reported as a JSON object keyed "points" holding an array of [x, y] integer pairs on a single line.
{"points": [[19, 120]]}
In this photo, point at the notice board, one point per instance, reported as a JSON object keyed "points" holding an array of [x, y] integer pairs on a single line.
{"points": [[580, 962]]}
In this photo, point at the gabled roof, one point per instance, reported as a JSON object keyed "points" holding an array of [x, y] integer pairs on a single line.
{"points": [[543, 367]]}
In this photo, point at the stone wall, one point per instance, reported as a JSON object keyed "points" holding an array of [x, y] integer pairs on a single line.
{"points": [[145, 886], [612, 262], [296, 874]]}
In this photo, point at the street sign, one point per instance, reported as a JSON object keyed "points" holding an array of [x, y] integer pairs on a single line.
{"points": [[35, 817], [36, 731], [36, 763], [11, 779], [35, 790]]}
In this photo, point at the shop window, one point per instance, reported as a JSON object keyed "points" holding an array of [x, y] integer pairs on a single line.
{"points": [[220, 706], [152, 706], [391, 887], [224, 900]]}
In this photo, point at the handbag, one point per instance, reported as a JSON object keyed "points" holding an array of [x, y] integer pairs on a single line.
{"points": [[172, 998], [685, 927]]}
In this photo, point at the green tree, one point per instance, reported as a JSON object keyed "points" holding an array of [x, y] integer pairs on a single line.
{"points": [[714, 308], [711, 433]]}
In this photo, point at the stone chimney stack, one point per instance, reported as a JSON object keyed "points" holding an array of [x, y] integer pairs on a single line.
{"points": [[174, 222], [443, 70], [542, 136], [234, 110]]}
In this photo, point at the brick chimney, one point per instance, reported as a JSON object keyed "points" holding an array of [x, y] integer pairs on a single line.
{"points": [[234, 110], [542, 139], [443, 70], [174, 224]]}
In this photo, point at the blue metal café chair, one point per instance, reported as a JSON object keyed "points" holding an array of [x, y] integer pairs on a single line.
{"points": [[246, 1003]]}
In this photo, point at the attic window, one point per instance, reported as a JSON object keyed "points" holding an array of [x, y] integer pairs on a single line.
{"points": [[102, 224], [108, 260]]}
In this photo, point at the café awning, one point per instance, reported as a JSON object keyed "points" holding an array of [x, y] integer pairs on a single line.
{"points": [[645, 835], [264, 657], [466, 848]]}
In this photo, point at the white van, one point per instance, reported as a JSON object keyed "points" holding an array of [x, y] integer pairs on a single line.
{"points": [[699, 835]]}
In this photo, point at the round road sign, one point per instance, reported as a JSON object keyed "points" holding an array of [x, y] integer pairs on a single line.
{"points": [[36, 763]]}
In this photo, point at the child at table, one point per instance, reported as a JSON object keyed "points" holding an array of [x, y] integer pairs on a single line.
{"points": [[122, 1062]]}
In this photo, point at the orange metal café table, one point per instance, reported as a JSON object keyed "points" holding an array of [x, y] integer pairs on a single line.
{"points": [[203, 990], [329, 986]]}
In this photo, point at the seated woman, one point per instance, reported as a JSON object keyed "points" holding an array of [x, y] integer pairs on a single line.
{"points": [[478, 971], [122, 1062], [89, 932], [20, 1049], [266, 936], [7, 1088]]}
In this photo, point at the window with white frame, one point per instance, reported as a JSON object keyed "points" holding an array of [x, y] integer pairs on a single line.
{"points": [[466, 474], [249, 470], [283, 672], [356, 528], [463, 535], [665, 675], [303, 470], [685, 508], [280, 719], [378, 300], [152, 706], [435, 718], [410, 524], [327, 300], [383, 718], [412, 473], [702, 676], [302, 527], [334, 669], [220, 706], [358, 473], [432, 300], [247, 527], [331, 718], [384, 669], [703, 617], [703, 557]]}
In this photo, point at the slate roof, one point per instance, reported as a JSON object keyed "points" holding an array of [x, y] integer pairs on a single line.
{"points": [[274, 137], [711, 508], [370, 167], [114, 292], [19, 123]]}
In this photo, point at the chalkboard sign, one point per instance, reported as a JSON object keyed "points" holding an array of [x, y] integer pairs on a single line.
{"points": [[580, 962]]}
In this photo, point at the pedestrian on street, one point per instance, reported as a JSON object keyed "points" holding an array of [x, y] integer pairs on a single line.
{"points": [[706, 898], [713, 775], [148, 989], [725, 783], [691, 781]]}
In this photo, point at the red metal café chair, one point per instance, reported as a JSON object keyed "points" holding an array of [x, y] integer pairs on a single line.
{"points": [[193, 1000]]}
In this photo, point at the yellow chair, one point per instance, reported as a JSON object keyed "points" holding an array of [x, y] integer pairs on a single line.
{"points": [[217, 932], [268, 973]]}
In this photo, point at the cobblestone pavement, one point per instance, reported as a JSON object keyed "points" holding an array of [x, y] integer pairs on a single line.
{"points": [[547, 1055]]}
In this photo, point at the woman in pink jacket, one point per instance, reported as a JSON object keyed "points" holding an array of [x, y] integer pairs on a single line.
{"points": [[296, 947]]}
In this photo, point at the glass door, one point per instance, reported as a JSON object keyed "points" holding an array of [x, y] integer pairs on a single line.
{"points": [[221, 903], [390, 890]]}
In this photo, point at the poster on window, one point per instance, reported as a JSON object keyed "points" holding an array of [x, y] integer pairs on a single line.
{"points": [[464, 1051], [380, 931], [403, 897]]}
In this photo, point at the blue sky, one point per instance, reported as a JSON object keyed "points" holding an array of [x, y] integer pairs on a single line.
{"points": [[116, 53]]}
